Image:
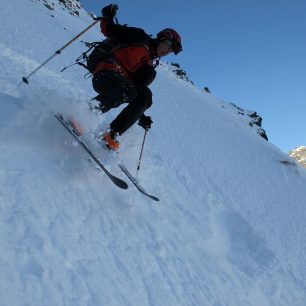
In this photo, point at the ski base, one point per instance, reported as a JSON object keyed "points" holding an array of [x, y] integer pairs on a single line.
{"points": [[117, 181], [136, 184]]}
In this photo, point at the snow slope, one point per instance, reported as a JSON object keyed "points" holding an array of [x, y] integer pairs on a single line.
{"points": [[230, 227]]}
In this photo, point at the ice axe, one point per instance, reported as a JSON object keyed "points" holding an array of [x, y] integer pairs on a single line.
{"points": [[26, 79]]}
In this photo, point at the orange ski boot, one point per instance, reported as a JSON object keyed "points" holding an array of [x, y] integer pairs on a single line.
{"points": [[110, 140]]}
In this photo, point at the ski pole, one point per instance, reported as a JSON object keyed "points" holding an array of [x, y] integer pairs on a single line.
{"points": [[26, 79], [142, 146]]}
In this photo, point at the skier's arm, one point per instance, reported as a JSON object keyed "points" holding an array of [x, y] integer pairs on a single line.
{"points": [[122, 33]]}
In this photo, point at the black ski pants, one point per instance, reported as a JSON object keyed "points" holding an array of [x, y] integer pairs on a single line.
{"points": [[114, 90]]}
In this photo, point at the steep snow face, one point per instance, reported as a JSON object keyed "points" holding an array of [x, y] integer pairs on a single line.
{"points": [[230, 227], [246, 117], [71, 6]]}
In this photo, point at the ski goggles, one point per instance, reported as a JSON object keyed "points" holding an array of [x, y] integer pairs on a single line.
{"points": [[176, 47], [168, 42]]}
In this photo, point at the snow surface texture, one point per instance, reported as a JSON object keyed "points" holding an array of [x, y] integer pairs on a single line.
{"points": [[230, 227]]}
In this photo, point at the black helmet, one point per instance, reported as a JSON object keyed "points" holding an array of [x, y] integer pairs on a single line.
{"points": [[173, 36]]}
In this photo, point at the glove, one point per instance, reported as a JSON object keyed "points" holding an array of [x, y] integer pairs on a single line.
{"points": [[110, 11], [145, 122], [145, 76]]}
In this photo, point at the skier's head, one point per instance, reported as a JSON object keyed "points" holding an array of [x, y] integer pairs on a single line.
{"points": [[168, 41]]}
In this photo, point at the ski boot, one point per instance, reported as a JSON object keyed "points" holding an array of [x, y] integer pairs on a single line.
{"points": [[110, 140]]}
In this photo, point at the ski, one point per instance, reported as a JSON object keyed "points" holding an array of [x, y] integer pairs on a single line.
{"points": [[136, 184], [117, 181]]}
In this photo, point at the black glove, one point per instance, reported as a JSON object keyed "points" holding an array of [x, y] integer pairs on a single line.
{"points": [[145, 76], [145, 122], [110, 11]]}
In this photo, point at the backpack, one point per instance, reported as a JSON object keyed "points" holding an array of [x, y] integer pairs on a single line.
{"points": [[102, 51]]}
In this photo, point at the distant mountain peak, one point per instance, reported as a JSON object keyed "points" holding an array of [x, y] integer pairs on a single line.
{"points": [[299, 154]]}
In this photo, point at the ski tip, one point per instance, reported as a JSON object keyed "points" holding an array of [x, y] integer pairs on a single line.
{"points": [[122, 184], [25, 80], [154, 198], [136, 184]]}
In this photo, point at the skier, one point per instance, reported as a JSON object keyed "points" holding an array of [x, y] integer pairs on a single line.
{"points": [[126, 75]]}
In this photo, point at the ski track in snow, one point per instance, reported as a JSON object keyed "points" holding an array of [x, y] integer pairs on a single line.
{"points": [[229, 229]]}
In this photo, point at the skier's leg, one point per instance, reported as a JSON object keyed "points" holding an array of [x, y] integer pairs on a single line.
{"points": [[133, 111], [113, 90]]}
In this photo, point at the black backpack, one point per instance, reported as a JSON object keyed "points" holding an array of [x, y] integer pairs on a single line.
{"points": [[96, 53], [102, 51]]}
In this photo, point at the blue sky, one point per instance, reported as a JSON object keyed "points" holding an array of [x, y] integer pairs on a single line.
{"points": [[252, 53]]}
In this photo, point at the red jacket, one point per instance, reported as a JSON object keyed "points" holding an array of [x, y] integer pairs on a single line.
{"points": [[131, 59]]}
